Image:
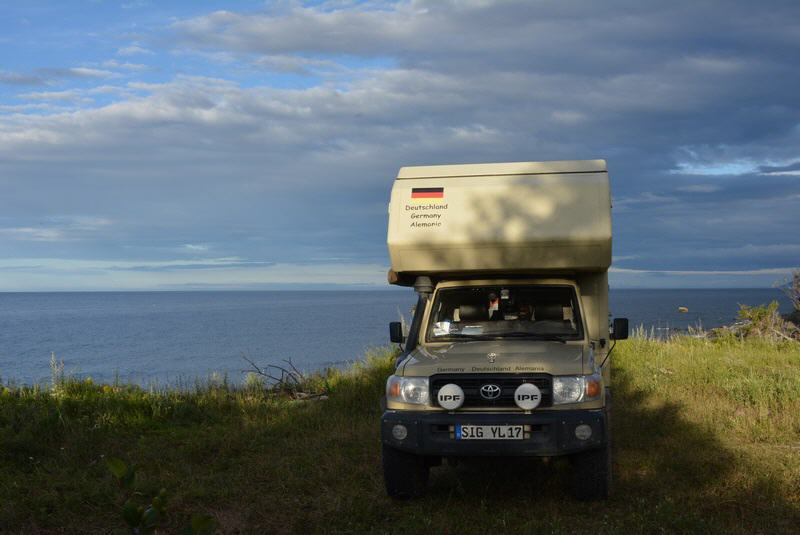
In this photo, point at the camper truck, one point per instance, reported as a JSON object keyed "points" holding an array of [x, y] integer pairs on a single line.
{"points": [[507, 351]]}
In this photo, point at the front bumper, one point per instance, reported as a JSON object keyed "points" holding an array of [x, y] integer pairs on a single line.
{"points": [[550, 433]]}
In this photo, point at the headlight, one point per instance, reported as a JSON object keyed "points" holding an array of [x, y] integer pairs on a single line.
{"points": [[407, 389], [576, 388]]}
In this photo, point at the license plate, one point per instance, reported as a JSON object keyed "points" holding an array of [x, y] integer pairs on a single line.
{"points": [[489, 432]]}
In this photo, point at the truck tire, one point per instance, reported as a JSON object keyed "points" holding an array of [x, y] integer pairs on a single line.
{"points": [[405, 474], [591, 474]]}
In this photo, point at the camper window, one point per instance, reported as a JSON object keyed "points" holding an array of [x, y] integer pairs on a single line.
{"points": [[521, 311]]}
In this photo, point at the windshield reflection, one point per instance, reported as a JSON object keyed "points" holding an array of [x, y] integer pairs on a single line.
{"points": [[494, 312]]}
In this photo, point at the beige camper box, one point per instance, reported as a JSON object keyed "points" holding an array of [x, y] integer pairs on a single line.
{"points": [[514, 217]]}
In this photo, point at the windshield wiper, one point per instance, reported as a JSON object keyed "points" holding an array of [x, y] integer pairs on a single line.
{"points": [[513, 334], [533, 336], [470, 336]]}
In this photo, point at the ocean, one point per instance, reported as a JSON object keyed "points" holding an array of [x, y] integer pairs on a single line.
{"points": [[166, 338]]}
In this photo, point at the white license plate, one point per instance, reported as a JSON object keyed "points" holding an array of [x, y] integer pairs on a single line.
{"points": [[489, 432]]}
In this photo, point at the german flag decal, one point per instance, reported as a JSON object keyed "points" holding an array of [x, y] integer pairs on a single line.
{"points": [[424, 194]]}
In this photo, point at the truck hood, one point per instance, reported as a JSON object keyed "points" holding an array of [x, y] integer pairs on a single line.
{"points": [[510, 356]]}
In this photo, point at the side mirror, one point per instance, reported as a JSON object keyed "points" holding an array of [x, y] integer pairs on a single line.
{"points": [[620, 327], [396, 332]]}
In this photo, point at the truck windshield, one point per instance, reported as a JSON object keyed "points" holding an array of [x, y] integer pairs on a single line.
{"points": [[533, 312]]}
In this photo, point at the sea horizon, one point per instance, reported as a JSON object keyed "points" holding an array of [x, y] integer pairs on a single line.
{"points": [[329, 288], [161, 336]]}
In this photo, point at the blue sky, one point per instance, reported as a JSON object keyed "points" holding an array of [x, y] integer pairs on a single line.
{"points": [[173, 145]]}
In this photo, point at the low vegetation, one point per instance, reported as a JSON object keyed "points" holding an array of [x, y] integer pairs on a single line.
{"points": [[791, 288], [763, 322], [706, 440]]}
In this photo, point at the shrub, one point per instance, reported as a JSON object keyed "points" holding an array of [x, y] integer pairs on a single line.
{"points": [[764, 321], [792, 289]]}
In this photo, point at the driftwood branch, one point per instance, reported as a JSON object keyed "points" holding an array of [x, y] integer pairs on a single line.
{"points": [[285, 380], [297, 373], [785, 336], [262, 371]]}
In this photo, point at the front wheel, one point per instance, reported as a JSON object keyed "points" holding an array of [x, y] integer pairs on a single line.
{"points": [[591, 474], [405, 474]]}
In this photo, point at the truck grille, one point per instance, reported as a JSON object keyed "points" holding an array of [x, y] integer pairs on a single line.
{"points": [[508, 383]]}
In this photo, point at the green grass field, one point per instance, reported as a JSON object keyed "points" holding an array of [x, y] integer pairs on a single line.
{"points": [[707, 440]]}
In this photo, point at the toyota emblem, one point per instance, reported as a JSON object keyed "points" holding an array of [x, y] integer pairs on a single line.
{"points": [[490, 391], [492, 357]]}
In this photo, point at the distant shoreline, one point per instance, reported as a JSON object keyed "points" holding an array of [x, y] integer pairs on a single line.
{"points": [[365, 288], [165, 337]]}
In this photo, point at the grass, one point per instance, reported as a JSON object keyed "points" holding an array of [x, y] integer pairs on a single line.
{"points": [[706, 440]]}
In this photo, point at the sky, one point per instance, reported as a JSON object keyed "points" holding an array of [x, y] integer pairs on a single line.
{"points": [[237, 144]]}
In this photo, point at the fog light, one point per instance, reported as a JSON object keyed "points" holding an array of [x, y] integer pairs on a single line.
{"points": [[583, 432], [527, 396], [399, 432], [450, 397]]}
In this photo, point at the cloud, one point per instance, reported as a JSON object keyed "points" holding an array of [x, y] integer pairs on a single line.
{"points": [[125, 65], [33, 234], [700, 188], [788, 169], [294, 64], [793, 172], [725, 160], [60, 273], [15, 78], [46, 75], [240, 156], [568, 117], [617, 258], [716, 168], [59, 228], [66, 95], [86, 96], [28, 107], [631, 278], [75, 72], [214, 263], [643, 199], [583, 38], [133, 50], [136, 4], [86, 72], [711, 273]]}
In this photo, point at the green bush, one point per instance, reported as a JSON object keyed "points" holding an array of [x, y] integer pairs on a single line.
{"points": [[764, 321]]}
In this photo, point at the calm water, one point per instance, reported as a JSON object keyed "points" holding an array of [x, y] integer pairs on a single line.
{"points": [[164, 337]]}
